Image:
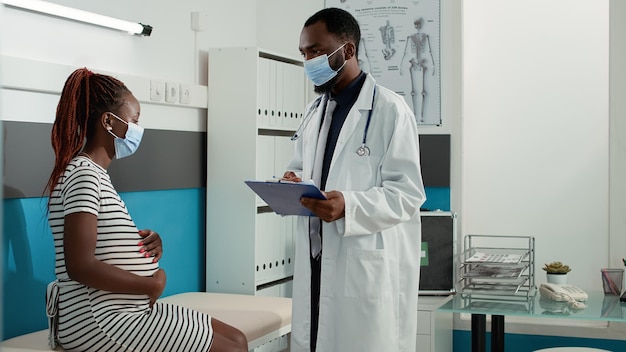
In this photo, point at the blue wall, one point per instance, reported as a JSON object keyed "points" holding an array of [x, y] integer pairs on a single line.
{"points": [[28, 253], [437, 198], [529, 343]]}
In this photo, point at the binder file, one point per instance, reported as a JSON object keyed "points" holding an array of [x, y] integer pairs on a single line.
{"points": [[284, 197]]}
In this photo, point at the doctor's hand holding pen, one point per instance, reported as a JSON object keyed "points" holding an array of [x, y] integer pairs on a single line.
{"points": [[330, 209]]}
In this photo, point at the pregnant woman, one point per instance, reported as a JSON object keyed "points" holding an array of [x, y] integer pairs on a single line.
{"points": [[108, 276]]}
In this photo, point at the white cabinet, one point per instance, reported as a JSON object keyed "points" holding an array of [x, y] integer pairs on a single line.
{"points": [[434, 330], [255, 104]]}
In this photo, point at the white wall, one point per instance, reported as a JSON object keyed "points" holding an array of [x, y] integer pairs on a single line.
{"points": [[535, 128], [167, 53], [535, 132], [170, 51], [280, 22], [174, 52], [451, 92], [618, 133]]}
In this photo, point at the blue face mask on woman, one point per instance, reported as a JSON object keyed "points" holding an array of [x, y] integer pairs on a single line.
{"points": [[128, 145], [318, 68]]}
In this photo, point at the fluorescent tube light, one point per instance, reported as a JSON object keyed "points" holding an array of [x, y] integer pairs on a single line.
{"points": [[80, 15]]}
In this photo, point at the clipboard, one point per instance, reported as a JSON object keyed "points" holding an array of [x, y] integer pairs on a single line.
{"points": [[284, 197]]}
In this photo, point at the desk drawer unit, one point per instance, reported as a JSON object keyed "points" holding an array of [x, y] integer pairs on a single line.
{"points": [[434, 331]]}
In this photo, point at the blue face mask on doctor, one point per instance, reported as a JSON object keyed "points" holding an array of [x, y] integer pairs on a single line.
{"points": [[318, 68], [130, 143]]}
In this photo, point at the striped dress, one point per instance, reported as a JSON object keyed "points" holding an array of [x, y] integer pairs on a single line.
{"points": [[86, 319]]}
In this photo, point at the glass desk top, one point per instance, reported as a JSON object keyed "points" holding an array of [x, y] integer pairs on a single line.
{"points": [[599, 307]]}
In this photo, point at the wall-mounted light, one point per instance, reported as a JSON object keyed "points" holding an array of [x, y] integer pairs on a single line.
{"points": [[80, 15]]}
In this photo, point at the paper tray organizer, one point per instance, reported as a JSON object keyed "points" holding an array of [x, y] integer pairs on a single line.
{"points": [[497, 266]]}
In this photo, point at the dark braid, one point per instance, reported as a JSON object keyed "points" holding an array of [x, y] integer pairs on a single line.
{"points": [[85, 97]]}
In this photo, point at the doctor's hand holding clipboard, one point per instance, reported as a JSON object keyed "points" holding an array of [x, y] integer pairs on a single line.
{"points": [[329, 209]]}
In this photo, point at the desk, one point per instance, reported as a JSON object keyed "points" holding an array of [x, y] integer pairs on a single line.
{"points": [[599, 308]]}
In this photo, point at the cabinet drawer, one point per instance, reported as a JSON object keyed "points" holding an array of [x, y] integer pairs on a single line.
{"points": [[423, 343], [423, 322]]}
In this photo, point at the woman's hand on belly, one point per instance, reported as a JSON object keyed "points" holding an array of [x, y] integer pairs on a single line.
{"points": [[151, 245]]}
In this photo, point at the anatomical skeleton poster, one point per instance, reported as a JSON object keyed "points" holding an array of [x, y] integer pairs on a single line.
{"points": [[400, 47]]}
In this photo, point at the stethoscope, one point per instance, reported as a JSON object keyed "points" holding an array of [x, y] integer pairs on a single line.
{"points": [[363, 150]]}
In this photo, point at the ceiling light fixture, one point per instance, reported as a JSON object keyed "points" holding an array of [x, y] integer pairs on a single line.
{"points": [[80, 15]]}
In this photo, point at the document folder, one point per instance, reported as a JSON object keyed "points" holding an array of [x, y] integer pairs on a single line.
{"points": [[284, 197]]}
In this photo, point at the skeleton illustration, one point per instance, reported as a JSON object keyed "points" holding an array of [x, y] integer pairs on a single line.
{"points": [[388, 37], [364, 60], [421, 62]]}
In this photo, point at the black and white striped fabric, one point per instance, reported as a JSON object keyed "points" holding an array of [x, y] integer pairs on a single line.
{"points": [[88, 319]]}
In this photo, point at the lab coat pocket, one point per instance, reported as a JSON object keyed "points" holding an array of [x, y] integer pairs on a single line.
{"points": [[367, 274]]}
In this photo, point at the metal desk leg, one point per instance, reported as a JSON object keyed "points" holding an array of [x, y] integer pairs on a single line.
{"points": [[497, 333], [479, 322]]}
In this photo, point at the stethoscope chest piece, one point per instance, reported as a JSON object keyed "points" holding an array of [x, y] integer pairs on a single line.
{"points": [[363, 150]]}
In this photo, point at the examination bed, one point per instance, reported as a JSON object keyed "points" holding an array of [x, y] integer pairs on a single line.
{"points": [[262, 319]]}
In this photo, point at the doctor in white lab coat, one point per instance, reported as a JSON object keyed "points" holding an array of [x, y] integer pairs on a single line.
{"points": [[368, 266]]}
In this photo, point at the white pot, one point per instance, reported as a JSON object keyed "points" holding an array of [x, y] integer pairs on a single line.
{"points": [[560, 279]]}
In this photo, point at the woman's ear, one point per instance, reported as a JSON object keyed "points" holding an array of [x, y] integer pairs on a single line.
{"points": [[106, 121]]}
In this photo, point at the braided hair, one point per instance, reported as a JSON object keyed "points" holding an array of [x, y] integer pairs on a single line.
{"points": [[85, 97]]}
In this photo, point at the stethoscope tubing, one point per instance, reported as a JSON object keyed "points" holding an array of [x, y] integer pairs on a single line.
{"points": [[363, 149], [307, 117]]}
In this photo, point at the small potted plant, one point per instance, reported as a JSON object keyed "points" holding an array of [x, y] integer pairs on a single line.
{"points": [[557, 272]]}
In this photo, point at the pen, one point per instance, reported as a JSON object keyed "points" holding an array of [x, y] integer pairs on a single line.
{"points": [[624, 260]]}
